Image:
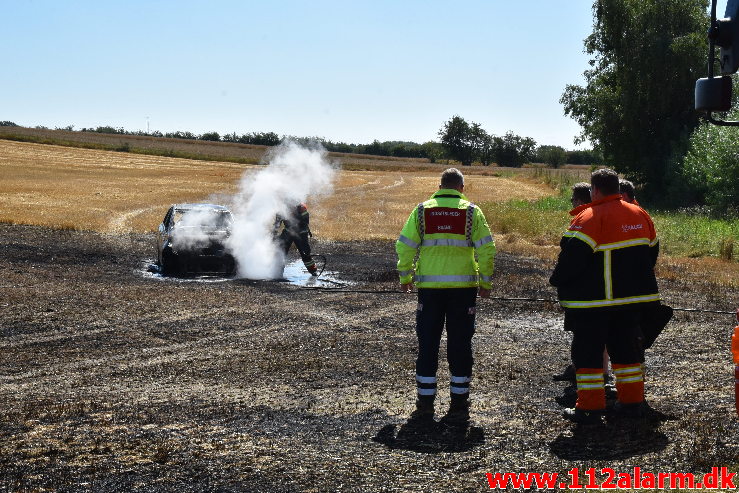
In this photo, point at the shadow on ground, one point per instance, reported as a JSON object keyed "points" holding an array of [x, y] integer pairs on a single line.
{"points": [[432, 438], [618, 438]]}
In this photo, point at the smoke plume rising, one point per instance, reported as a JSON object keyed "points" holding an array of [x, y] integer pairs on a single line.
{"points": [[293, 173]]}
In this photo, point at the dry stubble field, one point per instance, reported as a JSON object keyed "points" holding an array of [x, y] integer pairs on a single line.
{"points": [[114, 380], [113, 192]]}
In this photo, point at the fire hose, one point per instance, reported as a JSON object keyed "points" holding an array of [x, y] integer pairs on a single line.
{"points": [[341, 288], [492, 298]]}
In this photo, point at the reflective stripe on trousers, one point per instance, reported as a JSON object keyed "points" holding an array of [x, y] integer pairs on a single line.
{"points": [[459, 385], [591, 392], [629, 382], [425, 385]]}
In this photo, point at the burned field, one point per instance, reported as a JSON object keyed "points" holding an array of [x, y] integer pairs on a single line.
{"points": [[112, 379]]}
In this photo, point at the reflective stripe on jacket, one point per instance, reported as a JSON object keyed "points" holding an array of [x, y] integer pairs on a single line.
{"points": [[447, 232], [607, 257]]}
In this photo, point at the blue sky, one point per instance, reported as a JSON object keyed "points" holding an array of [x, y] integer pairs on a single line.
{"points": [[350, 71]]}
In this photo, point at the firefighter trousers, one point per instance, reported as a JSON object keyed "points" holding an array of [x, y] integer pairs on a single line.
{"points": [[301, 243], [619, 332], [456, 308]]}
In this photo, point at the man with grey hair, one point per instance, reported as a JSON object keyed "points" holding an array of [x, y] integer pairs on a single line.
{"points": [[455, 252], [452, 178]]}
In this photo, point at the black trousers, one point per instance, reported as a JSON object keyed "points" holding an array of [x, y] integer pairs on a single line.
{"points": [[456, 307], [595, 330], [286, 240]]}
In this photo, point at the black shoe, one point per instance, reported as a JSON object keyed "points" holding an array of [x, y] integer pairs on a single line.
{"points": [[567, 375], [634, 410], [458, 416], [424, 411], [583, 417]]}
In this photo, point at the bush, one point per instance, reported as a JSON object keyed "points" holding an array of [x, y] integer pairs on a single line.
{"points": [[711, 166], [585, 156], [180, 135], [554, 156], [210, 136]]}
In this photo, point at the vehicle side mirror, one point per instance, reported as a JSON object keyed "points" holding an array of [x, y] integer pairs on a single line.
{"points": [[713, 94]]}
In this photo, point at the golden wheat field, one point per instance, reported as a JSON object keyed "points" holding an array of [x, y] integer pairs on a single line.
{"points": [[114, 192]]}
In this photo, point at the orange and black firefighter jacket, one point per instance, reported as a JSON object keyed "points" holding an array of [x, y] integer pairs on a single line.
{"points": [[607, 257]]}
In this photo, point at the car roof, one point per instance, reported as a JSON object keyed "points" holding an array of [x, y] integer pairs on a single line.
{"points": [[189, 207]]}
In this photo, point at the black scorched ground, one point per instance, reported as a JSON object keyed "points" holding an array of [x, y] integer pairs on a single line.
{"points": [[114, 380]]}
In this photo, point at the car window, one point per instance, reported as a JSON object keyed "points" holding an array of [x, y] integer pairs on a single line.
{"points": [[178, 216], [203, 219], [167, 218]]}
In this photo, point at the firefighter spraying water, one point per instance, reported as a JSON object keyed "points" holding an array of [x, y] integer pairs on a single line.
{"points": [[295, 228], [273, 198]]}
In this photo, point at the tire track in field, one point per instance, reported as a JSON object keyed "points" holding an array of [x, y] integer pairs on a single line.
{"points": [[394, 185], [117, 224], [357, 187]]}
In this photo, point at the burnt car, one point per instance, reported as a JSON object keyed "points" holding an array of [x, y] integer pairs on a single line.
{"points": [[192, 240]]}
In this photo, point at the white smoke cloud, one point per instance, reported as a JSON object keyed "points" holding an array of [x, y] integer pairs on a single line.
{"points": [[293, 173], [198, 227]]}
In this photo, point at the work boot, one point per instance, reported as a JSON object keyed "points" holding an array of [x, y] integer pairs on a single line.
{"points": [[583, 417], [632, 410], [424, 412], [458, 415], [567, 375]]}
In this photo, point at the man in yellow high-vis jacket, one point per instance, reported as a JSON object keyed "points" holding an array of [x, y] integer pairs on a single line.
{"points": [[455, 257]]}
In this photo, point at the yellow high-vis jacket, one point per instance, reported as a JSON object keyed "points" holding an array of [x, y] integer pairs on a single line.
{"points": [[453, 241]]}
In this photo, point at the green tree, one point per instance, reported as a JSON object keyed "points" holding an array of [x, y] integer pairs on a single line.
{"points": [[376, 148], [513, 150], [585, 156], [483, 144], [554, 156], [433, 151], [636, 106], [458, 139], [213, 136], [180, 135], [711, 166]]}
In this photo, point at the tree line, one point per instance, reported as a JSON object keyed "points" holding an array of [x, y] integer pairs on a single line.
{"points": [[508, 150], [468, 142]]}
